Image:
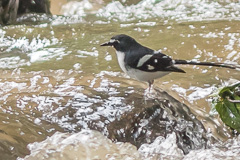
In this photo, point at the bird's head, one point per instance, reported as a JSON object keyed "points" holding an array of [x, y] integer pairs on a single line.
{"points": [[121, 42]]}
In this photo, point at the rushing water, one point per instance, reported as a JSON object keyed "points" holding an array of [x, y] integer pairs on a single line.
{"points": [[57, 82]]}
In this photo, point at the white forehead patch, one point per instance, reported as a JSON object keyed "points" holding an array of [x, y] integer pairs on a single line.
{"points": [[143, 60], [114, 40], [155, 60]]}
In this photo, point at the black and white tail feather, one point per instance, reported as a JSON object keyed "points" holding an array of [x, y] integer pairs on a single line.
{"points": [[223, 65], [145, 64]]}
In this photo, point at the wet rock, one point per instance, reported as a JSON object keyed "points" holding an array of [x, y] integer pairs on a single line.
{"points": [[159, 117], [129, 117]]}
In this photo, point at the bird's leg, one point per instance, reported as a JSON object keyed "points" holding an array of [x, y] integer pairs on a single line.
{"points": [[150, 85], [149, 92]]}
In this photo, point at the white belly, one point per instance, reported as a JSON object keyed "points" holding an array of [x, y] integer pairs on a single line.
{"points": [[145, 76]]}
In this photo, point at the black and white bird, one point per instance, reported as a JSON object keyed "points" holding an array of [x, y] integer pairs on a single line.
{"points": [[145, 64]]}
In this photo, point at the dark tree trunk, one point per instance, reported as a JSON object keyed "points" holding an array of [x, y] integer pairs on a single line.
{"points": [[11, 9]]}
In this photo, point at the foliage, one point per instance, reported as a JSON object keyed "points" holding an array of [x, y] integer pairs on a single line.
{"points": [[228, 106]]}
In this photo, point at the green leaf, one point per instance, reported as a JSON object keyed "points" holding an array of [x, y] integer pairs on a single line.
{"points": [[229, 111]]}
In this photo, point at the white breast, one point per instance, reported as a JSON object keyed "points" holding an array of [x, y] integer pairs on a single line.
{"points": [[120, 57]]}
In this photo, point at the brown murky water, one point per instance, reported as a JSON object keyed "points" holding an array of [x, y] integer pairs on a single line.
{"points": [[52, 72]]}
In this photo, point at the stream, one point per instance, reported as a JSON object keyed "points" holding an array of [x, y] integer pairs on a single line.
{"points": [[62, 96]]}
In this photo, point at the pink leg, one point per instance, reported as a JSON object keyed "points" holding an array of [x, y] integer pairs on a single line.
{"points": [[150, 83]]}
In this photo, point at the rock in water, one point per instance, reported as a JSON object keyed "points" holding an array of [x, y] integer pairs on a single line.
{"points": [[159, 117]]}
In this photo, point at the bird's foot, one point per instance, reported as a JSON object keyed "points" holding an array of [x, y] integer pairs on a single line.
{"points": [[150, 93]]}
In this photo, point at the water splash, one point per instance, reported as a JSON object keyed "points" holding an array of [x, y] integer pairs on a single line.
{"points": [[180, 10]]}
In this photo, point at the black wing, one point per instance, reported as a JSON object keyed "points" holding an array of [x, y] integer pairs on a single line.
{"points": [[153, 61]]}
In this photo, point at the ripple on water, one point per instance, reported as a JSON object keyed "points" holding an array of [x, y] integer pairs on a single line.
{"points": [[180, 10], [86, 144]]}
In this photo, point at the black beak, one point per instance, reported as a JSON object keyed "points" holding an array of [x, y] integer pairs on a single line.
{"points": [[107, 44]]}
